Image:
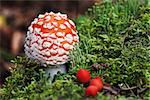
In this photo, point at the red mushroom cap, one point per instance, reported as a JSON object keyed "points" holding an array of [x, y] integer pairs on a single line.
{"points": [[50, 38]]}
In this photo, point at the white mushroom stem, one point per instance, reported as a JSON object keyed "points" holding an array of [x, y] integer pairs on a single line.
{"points": [[52, 71]]}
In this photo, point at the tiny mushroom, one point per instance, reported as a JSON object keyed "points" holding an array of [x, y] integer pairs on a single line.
{"points": [[50, 38]]}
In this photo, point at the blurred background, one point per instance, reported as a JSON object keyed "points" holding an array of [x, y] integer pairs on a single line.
{"points": [[16, 16]]}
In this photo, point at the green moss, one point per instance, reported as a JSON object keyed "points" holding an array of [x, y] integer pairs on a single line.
{"points": [[114, 35]]}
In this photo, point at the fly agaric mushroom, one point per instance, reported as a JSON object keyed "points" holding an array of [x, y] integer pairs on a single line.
{"points": [[49, 40]]}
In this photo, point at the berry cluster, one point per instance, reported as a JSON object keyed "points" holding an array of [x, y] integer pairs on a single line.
{"points": [[95, 85]]}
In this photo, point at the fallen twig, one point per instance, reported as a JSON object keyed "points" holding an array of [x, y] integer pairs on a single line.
{"points": [[130, 88], [142, 90], [110, 89]]}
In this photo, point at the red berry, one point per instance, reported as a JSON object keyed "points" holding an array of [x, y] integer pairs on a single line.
{"points": [[91, 91], [83, 75], [97, 81]]}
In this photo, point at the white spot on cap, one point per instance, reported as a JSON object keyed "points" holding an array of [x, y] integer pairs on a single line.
{"points": [[52, 35], [68, 25], [49, 57], [59, 58], [69, 38], [60, 33], [35, 21], [58, 63], [34, 54], [60, 39], [67, 46], [47, 18], [46, 13], [56, 29], [55, 47], [62, 26], [28, 33], [36, 50], [71, 22], [51, 13], [55, 23], [49, 26], [43, 52], [64, 16], [46, 44], [58, 13], [41, 16], [52, 51], [76, 38], [65, 57], [50, 39], [52, 58], [40, 47], [45, 34], [37, 30], [73, 32], [30, 29], [61, 51], [27, 53], [40, 23], [40, 41], [45, 26], [34, 39], [47, 53], [25, 46], [57, 18], [54, 61]]}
